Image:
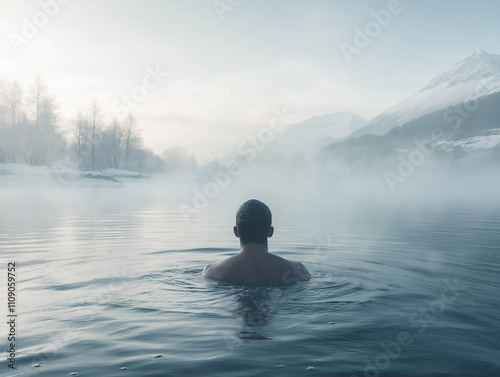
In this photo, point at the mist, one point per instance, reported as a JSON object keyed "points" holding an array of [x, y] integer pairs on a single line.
{"points": [[132, 132]]}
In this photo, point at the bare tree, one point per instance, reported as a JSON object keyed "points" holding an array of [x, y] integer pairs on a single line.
{"points": [[14, 102], [79, 134], [177, 160], [38, 91], [44, 117], [132, 138], [116, 142], [31, 132], [3, 120], [95, 122]]}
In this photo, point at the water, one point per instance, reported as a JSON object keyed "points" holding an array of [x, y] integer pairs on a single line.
{"points": [[110, 285]]}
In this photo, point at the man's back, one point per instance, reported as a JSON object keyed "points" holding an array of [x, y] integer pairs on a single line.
{"points": [[258, 267], [254, 264]]}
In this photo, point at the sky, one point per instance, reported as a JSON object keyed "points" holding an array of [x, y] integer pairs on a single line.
{"points": [[208, 74]]}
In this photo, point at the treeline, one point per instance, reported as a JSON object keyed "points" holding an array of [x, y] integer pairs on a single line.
{"points": [[30, 132], [28, 124]]}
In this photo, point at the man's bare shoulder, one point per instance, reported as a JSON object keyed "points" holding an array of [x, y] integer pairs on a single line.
{"points": [[215, 270], [289, 271], [211, 271], [295, 271], [207, 270], [273, 269], [283, 261]]}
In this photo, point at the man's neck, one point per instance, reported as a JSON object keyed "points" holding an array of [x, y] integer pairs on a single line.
{"points": [[253, 248]]}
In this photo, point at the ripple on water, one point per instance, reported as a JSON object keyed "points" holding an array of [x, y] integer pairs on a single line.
{"points": [[163, 318]]}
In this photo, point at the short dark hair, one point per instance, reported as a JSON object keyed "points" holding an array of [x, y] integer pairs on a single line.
{"points": [[253, 221]]}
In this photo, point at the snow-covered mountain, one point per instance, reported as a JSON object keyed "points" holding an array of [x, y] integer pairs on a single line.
{"points": [[475, 76], [315, 133], [489, 139], [472, 144]]}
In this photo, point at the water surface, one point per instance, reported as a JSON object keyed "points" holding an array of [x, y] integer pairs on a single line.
{"points": [[110, 285]]}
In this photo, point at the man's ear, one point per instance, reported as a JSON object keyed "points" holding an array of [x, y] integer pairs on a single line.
{"points": [[235, 230], [271, 231]]}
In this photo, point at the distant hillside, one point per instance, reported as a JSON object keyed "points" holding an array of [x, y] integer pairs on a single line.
{"points": [[458, 132], [313, 134], [475, 76]]}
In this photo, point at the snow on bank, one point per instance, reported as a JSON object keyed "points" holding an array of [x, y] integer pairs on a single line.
{"points": [[24, 173], [93, 182], [124, 173], [22, 169]]}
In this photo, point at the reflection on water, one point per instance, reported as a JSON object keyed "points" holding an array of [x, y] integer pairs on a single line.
{"points": [[256, 311]]}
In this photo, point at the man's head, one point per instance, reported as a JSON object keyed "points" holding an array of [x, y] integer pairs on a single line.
{"points": [[253, 222]]}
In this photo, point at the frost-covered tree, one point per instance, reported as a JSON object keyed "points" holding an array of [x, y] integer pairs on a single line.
{"points": [[177, 160], [40, 141], [116, 136], [3, 121], [132, 138], [30, 133], [15, 113], [95, 123], [79, 139]]}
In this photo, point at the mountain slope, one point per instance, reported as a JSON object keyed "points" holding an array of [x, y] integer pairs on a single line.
{"points": [[473, 141], [475, 76], [315, 133]]}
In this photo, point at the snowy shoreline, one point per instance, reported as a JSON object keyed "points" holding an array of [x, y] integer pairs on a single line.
{"points": [[64, 176]]}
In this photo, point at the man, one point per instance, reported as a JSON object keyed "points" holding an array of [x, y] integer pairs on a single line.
{"points": [[254, 264]]}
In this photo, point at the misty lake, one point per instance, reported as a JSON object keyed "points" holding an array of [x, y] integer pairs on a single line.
{"points": [[109, 284]]}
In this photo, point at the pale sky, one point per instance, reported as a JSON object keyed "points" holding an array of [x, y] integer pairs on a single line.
{"points": [[226, 76]]}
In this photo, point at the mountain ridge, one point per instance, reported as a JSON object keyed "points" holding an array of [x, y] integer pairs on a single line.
{"points": [[475, 76], [312, 134]]}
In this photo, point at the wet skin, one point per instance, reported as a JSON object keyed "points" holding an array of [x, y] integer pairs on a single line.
{"points": [[255, 265]]}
